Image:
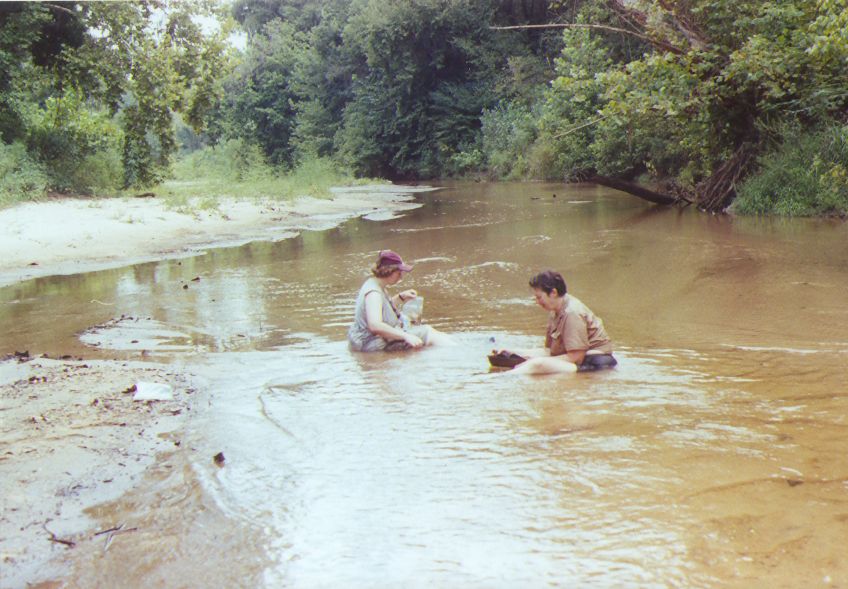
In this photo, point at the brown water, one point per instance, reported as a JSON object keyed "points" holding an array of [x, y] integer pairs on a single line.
{"points": [[713, 456]]}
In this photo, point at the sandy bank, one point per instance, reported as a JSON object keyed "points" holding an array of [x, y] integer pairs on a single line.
{"points": [[73, 436], [69, 236]]}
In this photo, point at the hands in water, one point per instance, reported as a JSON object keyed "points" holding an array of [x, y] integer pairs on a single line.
{"points": [[413, 340]]}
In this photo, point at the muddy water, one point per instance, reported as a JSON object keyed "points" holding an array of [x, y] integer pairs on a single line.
{"points": [[713, 456]]}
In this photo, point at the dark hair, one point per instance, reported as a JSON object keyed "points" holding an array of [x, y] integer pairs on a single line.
{"points": [[549, 280]]}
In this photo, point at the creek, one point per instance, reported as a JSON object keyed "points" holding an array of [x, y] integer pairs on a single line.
{"points": [[712, 456]]}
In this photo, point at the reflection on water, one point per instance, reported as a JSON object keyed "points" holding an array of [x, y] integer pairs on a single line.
{"points": [[712, 456]]}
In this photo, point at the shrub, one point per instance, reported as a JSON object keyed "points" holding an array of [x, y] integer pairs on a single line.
{"points": [[238, 168], [806, 175], [21, 178], [314, 177], [100, 173], [508, 130], [79, 148], [235, 160]]}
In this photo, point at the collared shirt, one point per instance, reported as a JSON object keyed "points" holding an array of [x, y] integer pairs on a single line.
{"points": [[574, 328]]}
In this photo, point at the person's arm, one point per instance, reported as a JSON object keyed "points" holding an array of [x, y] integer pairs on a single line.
{"points": [[402, 297], [376, 325], [526, 352], [575, 356]]}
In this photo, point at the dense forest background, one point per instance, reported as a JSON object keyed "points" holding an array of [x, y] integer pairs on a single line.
{"points": [[714, 102]]}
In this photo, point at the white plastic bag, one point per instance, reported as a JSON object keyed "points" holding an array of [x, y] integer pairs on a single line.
{"points": [[153, 391], [413, 309]]}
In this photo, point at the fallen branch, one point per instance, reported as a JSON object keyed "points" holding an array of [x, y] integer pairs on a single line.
{"points": [[61, 9], [635, 189], [57, 540], [112, 529]]}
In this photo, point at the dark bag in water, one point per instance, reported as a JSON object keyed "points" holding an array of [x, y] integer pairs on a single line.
{"points": [[506, 360]]}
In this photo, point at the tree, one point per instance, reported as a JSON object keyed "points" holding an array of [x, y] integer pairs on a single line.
{"points": [[146, 59], [260, 104], [696, 106], [425, 71]]}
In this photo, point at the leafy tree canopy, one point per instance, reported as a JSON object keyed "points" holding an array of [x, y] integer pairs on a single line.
{"points": [[144, 60]]}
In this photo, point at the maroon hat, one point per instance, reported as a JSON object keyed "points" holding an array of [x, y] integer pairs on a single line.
{"points": [[390, 258]]}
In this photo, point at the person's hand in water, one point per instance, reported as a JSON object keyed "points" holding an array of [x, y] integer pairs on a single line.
{"points": [[413, 340], [507, 353]]}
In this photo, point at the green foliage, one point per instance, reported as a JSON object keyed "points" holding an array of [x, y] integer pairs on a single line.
{"points": [[805, 175], [394, 89], [20, 24], [711, 74], [66, 68], [236, 168], [423, 88], [21, 178], [260, 99], [423, 74], [573, 103], [77, 146], [508, 131], [174, 71], [234, 160], [314, 177], [98, 174]]}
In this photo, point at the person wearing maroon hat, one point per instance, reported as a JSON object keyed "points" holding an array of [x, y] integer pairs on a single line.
{"points": [[378, 325]]}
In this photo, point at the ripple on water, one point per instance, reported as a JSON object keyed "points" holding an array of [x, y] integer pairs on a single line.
{"points": [[427, 467]]}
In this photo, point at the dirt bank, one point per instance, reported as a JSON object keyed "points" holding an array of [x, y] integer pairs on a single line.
{"points": [[74, 435]]}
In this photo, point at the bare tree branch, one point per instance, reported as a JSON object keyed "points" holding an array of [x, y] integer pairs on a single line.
{"points": [[684, 23], [656, 43], [577, 128], [61, 8]]}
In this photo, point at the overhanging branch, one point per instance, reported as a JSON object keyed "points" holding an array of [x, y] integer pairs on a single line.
{"points": [[654, 42]]}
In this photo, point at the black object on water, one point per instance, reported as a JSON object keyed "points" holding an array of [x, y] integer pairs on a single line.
{"points": [[594, 362], [506, 359]]}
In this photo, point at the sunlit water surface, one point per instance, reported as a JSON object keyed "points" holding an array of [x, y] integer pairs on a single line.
{"points": [[714, 455]]}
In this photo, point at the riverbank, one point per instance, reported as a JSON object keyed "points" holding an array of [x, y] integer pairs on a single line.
{"points": [[68, 236], [74, 432]]}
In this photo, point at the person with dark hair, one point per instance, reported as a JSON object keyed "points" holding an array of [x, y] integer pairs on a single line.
{"points": [[378, 325], [575, 339]]}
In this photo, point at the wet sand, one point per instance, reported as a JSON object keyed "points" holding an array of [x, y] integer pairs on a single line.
{"points": [[73, 436]]}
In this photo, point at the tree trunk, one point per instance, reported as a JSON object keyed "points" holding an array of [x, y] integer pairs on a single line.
{"points": [[635, 190], [717, 192]]}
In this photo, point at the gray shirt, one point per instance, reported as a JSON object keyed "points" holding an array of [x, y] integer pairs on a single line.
{"points": [[360, 337]]}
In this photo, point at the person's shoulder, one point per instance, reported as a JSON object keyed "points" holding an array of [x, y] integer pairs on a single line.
{"points": [[575, 307], [573, 304], [370, 285]]}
